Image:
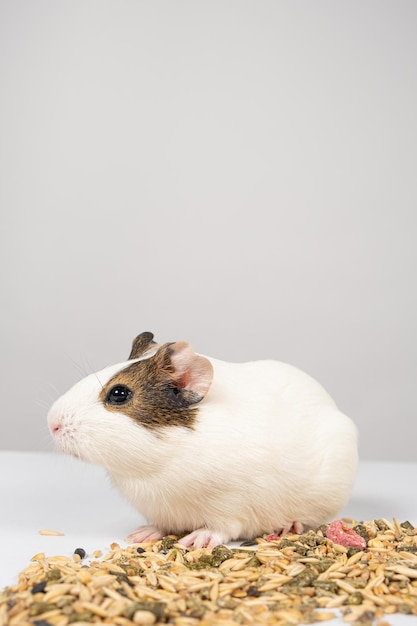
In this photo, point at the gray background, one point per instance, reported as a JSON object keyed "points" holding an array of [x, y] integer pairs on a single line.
{"points": [[238, 174]]}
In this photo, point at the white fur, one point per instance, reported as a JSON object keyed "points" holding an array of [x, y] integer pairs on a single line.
{"points": [[269, 448]]}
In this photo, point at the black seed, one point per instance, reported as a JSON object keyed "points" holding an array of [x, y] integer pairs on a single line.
{"points": [[253, 591], [246, 544], [140, 550], [39, 587], [80, 552], [42, 622]]}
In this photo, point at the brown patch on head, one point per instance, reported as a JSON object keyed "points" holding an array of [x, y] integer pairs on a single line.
{"points": [[161, 390]]}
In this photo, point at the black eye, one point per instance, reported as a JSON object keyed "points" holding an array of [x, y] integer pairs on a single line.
{"points": [[119, 394]]}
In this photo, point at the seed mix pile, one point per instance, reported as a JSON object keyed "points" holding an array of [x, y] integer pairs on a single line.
{"points": [[297, 579]]}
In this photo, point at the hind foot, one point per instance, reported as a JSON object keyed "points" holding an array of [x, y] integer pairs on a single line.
{"points": [[203, 538]]}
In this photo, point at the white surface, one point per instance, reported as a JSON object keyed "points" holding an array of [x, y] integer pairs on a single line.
{"points": [[51, 491]]}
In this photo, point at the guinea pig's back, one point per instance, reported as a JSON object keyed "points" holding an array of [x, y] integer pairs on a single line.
{"points": [[282, 420], [270, 388]]}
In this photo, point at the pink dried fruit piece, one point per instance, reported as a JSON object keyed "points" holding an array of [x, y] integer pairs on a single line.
{"points": [[343, 535]]}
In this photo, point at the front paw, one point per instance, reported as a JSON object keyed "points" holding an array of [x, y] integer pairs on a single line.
{"points": [[145, 533], [203, 538], [296, 528]]}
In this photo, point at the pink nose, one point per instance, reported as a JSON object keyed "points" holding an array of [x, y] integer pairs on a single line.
{"points": [[56, 427]]}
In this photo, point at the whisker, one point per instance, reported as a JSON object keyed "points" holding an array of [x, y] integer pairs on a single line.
{"points": [[88, 364], [49, 444], [53, 387], [43, 404], [80, 368], [98, 380], [51, 394]]}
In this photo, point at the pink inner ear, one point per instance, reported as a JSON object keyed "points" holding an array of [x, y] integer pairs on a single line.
{"points": [[192, 372], [185, 381]]}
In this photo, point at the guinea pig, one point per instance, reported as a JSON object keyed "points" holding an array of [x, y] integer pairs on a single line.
{"points": [[209, 450]]}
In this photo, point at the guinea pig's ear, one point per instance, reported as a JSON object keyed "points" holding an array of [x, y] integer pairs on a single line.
{"points": [[141, 344], [189, 371]]}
